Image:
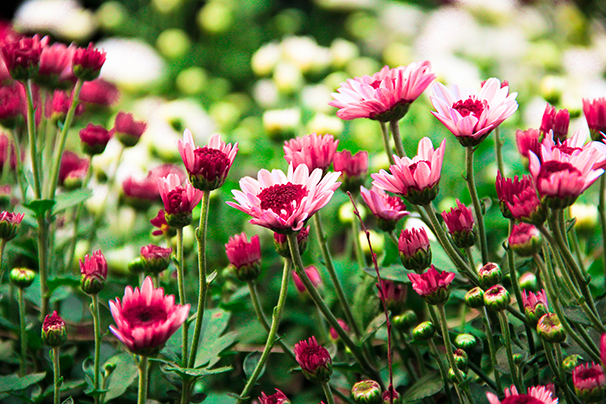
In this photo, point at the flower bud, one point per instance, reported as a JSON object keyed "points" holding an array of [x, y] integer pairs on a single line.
{"points": [[315, 361], [550, 329], [391, 396], [461, 359], [528, 281], [54, 333], [424, 331], [452, 376], [156, 258], [571, 362], [277, 398], [474, 298], [128, 131], [525, 239], [432, 286], [414, 248], [87, 62], [312, 274], [395, 295], [281, 242], [93, 272], [137, 266], [353, 169], [94, 139], [9, 224], [367, 392], [404, 321], [244, 256], [489, 275], [332, 333], [22, 277], [535, 305], [466, 342], [460, 224], [497, 298], [589, 382], [518, 358]]}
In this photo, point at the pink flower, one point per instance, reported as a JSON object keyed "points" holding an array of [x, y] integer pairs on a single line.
{"points": [[527, 207], [528, 141], [525, 239], [315, 151], [207, 166], [387, 209], [561, 174], [140, 194], [87, 62], [54, 333], [12, 104], [156, 258], [603, 349], [536, 395], [351, 166], [55, 66], [595, 114], [71, 163], [284, 203], [244, 256], [556, 121], [535, 305], [93, 271], [432, 285], [414, 248], [277, 398], [470, 115], [395, 295], [22, 57], [99, 92], [589, 382], [508, 188], [9, 224], [57, 107], [315, 361], [179, 201], [312, 273], [333, 333], [145, 319], [459, 222], [95, 138], [128, 131], [417, 179], [163, 228], [281, 242], [384, 96]]}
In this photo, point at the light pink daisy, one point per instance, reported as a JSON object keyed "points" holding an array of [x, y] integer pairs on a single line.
{"points": [[415, 179], [536, 395], [386, 95], [315, 151], [145, 319], [472, 115], [284, 202], [387, 209]]}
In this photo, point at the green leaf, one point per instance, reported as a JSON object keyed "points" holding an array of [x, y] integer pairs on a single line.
{"points": [[373, 327], [72, 198], [577, 315], [68, 400], [426, 386], [16, 383], [198, 372], [478, 392], [395, 273], [250, 363], [40, 206], [211, 346], [501, 357], [122, 377]]}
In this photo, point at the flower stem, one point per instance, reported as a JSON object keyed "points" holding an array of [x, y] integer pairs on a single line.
{"points": [[507, 340], [397, 139], [142, 396], [471, 185], [19, 174], [491, 349], [203, 286], [271, 336], [602, 214], [447, 344], [2, 247], [441, 368], [498, 146], [333, 275], [97, 331], [386, 142], [31, 136], [355, 228], [56, 374], [42, 267], [23, 357], [328, 393], [181, 288]]}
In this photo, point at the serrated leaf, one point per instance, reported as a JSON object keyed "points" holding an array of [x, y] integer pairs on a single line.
{"points": [[426, 386], [40, 206], [122, 377], [72, 198], [198, 372], [16, 383], [250, 363]]}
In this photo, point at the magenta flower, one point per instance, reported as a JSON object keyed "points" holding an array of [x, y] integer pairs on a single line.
{"points": [[155, 258], [333, 334], [315, 151], [284, 203], [432, 285], [603, 349], [417, 179], [470, 115], [22, 57], [178, 201], [12, 104], [528, 141], [99, 92], [315, 361], [395, 295], [87, 62], [277, 398], [55, 66], [207, 166], [384, 96], [536, 395], [312, 273], [244, 256], [527, 207], [145, 319], [128, 131], [508, 188], [535, 305], [93, 271], [140, 194], [414, 248], [589, 382], [595, 114], [162, 226], [387, 209], [9, 224], [57, 107], [556, 121], [94, 139], [525, 239], [351, 166], [54, 333], [71, 162], [459, 222]]}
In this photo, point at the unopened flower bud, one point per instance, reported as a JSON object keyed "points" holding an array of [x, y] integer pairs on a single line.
{"points": [[474, 298], [525, 239], [94, 139], [391, 396], [404, 321], [497, 298], [367, 392], [571, 362], [460, 224], [9, 224], [314, 359], [452, 376], [461, 359], [54, 333], [137, 266], [22, 277], [466, 342], [277, 398], [93, 272], [128, 131], [517, 359], [489, 275], [281, 242], [589, 382], [314, 276], [333, 334], [414, 248], [395, 295], [528, 281], [87, 62], [424, 331], [550, 329], [535, 305], [156, 258]]}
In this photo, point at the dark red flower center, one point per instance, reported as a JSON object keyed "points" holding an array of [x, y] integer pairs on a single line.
{"points": [[175, 200], [470, 106], [209, 155], [282, 197], [521, 399], [414, 166], [551, 167], [589, 373], [144, 316], [395, 203], [567, 149]]}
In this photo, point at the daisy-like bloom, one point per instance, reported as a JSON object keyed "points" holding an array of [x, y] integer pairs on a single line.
{"points": [[472, 115], [459, 222], [156, 258], [284, 202], [556, 121], [332, 333], [207, 166], [128, 131], [387, 209], [277, 398], [432, 285], [244, 256], [87, 62], [281, 242], [563, 172], [415, 179], [414, 248], [93, 271], [528, 140], [315, 151], [9, 224], [94, 139], [595, 114], [353, 169], [55, 66], [525, 239], [179, 201], [527, 207], [314, 359], [22, 57], [535, 395], [145, 319], [54, 333], [312, 273], [497, 298], [589, 382], [386, 95]]}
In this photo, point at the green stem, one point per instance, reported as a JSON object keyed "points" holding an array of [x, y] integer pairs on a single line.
{"points": [[56, 375], [42, 267], [602, 214], [23, 357], [333, 275], [447, 344], [355, 228], [31, 135], [470, 257], [441, 368], [271, 336], [478, 371], [560, 359], [181, 288], [386, 142], [142, 396], [203, 286], [20, 176], [507, 340], [397, 139], [2, 247], [492, 351], [471, 185], [97, 331], [328, 393], [498, 145]]}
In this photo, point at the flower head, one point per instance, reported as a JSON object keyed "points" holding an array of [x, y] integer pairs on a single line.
{"points": [[525, 239], [470, 115], [55, 66], [54, 333], [414, 248], [595, 114], [146, 318], [93, 271], [549, 327], [507, 188], [155, 258], [395, 295], [432, 285], [87, 62], [489, 275], [497, 298], [207, 166], [528, 141], [312, 273], [459, 222], [22, 277], [333, 334], [387, 209], [277, 398], [244, 256], [314, 359], [535, 395], [315, 151], [128, 131], [162, 226], [58, 106], [179, 201], [353, 168], [556, 121], [589, 382], [99, 92], [415, 179], [95, 138], [384, 96], [527, 207], [367, 392], [12, 104], [284, 203], [22, 57], [9, 224]]}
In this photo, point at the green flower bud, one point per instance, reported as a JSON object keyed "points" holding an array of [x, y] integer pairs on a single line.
{"points": [[453, 377], [404, 321], [137, 266], [571, 362], [528, 281], [489, 275], [54, 333], [424, 331], [367, 392], [465, 341], [497, 298], [550, 329], [518, 359], [461, 359], [22, 277], [474, 298]]}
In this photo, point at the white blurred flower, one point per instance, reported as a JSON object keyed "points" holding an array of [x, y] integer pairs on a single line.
{"points": [[376, 240], [586, 215], [322, 123], [342, 51], [346, 5], [416, 223], [288, 78], [316, 97], [305, 53], [281, 120], [265, 93], [265, 59], [404, 19]]}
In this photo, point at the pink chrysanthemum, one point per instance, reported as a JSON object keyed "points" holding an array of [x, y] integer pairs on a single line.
{"points": [[315, 151], [128, 131], [417, 179], [87, 62], [387, 209], [384, 96], [244, 256], [333, 334], [277, 398], [525, 239], [9, 224], [207, 166], [459, 219], [163, 229], [312, 273], [528, 140], [527, 207], [283, 203], [155, 258], [22, 56], [432, 285], [595, 114], [508, 188], [535, 305], [178, 201], [536, 395], [93, 271], [470, 115], [589, 382], [414, 249], [314, 359], [556, 121], [145, 319]]}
